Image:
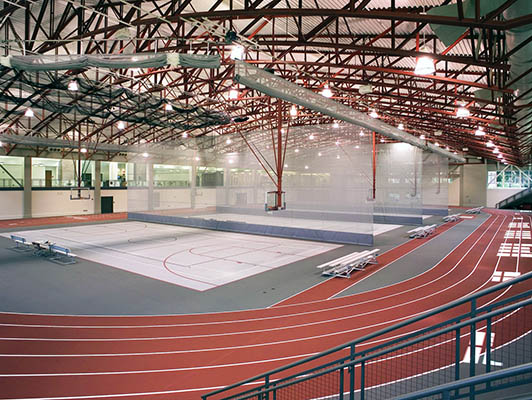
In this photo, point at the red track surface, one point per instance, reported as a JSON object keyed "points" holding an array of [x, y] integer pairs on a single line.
{"points": [[183, 356], [69, 219]]}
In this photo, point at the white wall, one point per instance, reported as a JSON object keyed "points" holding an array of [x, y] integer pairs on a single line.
{"points": [[454, 192], [48, 203], [496, 195], [473, 185], [11, 204]]}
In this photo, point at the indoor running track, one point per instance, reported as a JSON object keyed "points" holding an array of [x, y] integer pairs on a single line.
{"points": [[183, 356]]}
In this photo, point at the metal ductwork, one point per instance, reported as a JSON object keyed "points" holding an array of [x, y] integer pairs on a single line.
{"points": [[274, 86]]}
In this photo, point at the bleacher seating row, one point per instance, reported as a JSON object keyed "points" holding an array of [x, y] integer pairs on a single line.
{"points": [[475, 210], [343, 267], [51, 251], [422, 231]]}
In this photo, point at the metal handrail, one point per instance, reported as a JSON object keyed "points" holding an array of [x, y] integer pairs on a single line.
{"points": [[381, 332], [513, 197], [305, 376], [473, 380]]}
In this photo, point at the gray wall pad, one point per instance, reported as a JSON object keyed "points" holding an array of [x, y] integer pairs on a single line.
{"points": [[267, 230], [419, 260], [436, 211], [414, 219]]}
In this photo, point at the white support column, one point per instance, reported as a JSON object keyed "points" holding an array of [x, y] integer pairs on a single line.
{"points": [[27, 212], [193, 174], [149, 179], [97, 187]]}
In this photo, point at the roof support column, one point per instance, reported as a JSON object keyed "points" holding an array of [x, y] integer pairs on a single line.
{"points": [[27, 198]]}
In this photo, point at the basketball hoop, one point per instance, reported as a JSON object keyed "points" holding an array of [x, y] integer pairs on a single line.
{"points": [[271, 202]]}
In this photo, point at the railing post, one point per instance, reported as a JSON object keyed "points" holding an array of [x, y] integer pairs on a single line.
{"points": [[488, 349], [472, 347], [352, 374], [266, 384], [341, 392], [362, 377], [457, 357]]}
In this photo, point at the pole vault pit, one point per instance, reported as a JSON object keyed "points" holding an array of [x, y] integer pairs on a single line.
{"points": [[326, 174]]}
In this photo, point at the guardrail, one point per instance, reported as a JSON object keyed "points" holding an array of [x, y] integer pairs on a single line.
{"points": [[514, 197], [459, 347]]}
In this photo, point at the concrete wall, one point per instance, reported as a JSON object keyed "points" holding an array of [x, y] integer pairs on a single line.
{"points": [[496, 195], [51, 203], [473, 182], [12, 204], [454, 192]]}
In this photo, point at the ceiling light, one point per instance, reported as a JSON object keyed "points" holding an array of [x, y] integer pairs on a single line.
{"points": [[337, 157], [374, 114], [282, 130], [500, 156], [296, 150], [196, 158], [306, 166], [422, 137], [73, 86], [465, 148], [382, 140], [237, 52], [336, 125], [361, 133], [1, 144], [29, 113], [286, 165], [401, 127], [293, 111], [185, 135], [438, 133], [516, 92], [490, 144], [120, 125], [168, 107], [462, 112], [231, 161], [357, 147], [134, 59], [496, 150], [447, 148], [319, 154], [145, 155], [337, 143], [424, 66], [233, 94], [228, 141], [83, 150], [480, 131], [326, 92], [311, 136], [437, 144]]}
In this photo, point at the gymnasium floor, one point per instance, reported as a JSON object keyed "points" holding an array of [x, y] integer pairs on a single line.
{"points": [[182, 356]]}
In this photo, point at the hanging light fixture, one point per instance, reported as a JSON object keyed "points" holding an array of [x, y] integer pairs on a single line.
{"points": [[336, 125], [73, 86], [168, 107], [462, 112], [422, 137], [480, 131], [145, 155], [228, 141], [293, 111], [424, 65], [361, 133], [233, 94], [83, 150], [496, 150], [319, 154], [490, 144], [296, 150], [29, 113], [401, 127], [311, 136], [185, 135], [374, 114], [237, 52], [326, 92], [121, 125]]}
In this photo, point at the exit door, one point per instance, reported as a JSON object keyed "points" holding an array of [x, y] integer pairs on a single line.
{"points": [[107, 204]]}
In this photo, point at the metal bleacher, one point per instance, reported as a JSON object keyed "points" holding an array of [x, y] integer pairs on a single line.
{"points": [[435, 362]]}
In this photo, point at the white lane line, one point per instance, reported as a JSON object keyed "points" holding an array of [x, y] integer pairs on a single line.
{"points": [[327, 310]]}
